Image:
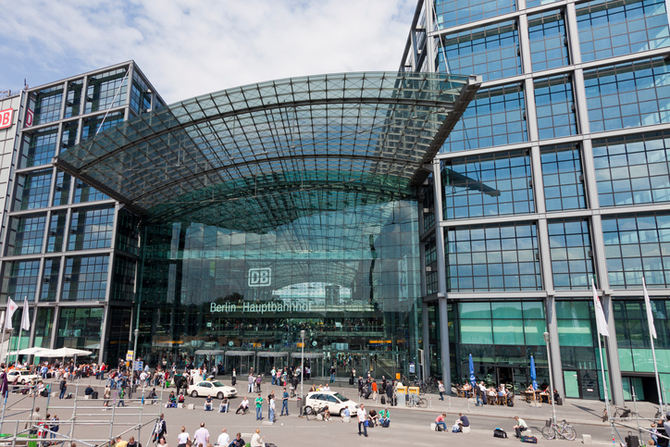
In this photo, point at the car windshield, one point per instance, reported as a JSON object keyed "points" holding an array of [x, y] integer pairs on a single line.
{"points": [[341, 397], [217, 384]]}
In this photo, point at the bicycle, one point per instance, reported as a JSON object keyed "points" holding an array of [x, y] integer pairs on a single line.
{"points": [[621, 413], [416, 401], [312, 413], [564, 430]]}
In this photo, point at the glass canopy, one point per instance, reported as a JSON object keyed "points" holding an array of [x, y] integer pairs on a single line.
{"points": [[357, 136]]}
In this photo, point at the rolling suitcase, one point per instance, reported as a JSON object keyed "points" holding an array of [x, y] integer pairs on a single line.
{"points": [[632, 441]]}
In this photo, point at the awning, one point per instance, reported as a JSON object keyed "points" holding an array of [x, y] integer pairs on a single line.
{"points": [[239, 353], [210, 352], [308, 355], [365, 137], [271, 354]]}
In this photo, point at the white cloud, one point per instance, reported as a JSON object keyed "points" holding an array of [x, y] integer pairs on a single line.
{"points": [[191, 47]]}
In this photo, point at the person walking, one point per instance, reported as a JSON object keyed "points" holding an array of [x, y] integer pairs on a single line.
{"points": [[223, 440], [63, 388], [33, 420], [183, 438], [201, 436], [284, 403], [271, 411], [256, 439], [122, 395], [259, 407], [160, 429], [440, 387], [252, 381], [361, 421]]}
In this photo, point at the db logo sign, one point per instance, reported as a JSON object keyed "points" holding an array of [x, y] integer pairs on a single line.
{"points": [[6, 118], [260, 277]]}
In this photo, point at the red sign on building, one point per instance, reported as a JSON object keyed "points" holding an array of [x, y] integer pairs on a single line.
{"points": [[29, 118], [6, 118]]}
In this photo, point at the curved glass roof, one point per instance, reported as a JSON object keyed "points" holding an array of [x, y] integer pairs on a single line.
{"points": [[357, 135]]}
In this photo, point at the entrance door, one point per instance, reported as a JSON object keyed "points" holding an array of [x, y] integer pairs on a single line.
{"points": [[644, 387], [504, 375], [571, 381], [588, 384]]}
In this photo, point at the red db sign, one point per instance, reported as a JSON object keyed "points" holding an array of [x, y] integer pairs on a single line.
{"points": [[6, 118]]}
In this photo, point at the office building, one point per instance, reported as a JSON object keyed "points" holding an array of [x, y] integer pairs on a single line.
{"points": [[556, 175], [462, 206]]}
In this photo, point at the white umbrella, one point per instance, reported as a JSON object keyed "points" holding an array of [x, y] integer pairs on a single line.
{"points": [[69, 352], [35, 351]]}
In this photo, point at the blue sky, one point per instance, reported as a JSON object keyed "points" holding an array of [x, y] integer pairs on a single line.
{"points": [[190, 47]]}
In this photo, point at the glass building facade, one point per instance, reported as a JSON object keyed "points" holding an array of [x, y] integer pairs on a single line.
{"points": [[261, 212], [68, 248], [383, 214], [555, 177]]}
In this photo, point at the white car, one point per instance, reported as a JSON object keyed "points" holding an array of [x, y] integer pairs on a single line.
{"points": [[214, 389], [336, 402], [24, 376]]}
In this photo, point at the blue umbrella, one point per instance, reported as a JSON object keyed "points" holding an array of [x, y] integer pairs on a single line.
{"points": [[533, 374], [472, 372]]}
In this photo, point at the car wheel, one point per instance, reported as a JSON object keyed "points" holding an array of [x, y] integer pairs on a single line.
{"points": [[219, 395], [194, 393], [23, 381]]}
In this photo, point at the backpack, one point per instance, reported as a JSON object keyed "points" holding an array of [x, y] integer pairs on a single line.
{"points": [[499, 433], [531, 439]]}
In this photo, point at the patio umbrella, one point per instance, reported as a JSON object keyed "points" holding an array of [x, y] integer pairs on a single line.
{"points": [[35, 351], [472, 372], [69, 352], [533, 373]]}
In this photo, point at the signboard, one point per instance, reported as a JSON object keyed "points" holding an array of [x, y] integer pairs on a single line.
{"points": [[138, 365], [29, 118], [261, 277], [412, 368], [6, 118], [129, 356]]}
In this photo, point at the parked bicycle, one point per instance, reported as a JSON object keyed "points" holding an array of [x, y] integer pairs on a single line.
{"points": [[312, 413], [620, 413], [416, 401], [551, 430], [430, 386]]}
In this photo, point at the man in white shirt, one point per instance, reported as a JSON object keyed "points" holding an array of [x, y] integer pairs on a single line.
{"points": [[201, 436], [183, 438], [520, 427], [223, 439], [361, 421]]}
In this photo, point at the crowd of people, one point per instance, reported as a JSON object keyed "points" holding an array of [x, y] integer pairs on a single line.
{"points": [[201, 438]]}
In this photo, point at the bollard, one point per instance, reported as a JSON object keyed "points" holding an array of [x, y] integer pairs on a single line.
{"points": [[468, 405], [430, 402], [586, 439], [449, 403]]}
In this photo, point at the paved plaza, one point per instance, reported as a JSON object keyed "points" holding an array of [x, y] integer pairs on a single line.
{"points": [[95, 425]]}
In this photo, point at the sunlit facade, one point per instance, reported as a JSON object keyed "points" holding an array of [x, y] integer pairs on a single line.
{"points": [[243, 217], [556, 175], [67, 248]]}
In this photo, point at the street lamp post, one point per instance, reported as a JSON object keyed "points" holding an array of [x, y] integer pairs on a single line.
{"points": [[137, 332], [302, 365], [547, 339]]}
